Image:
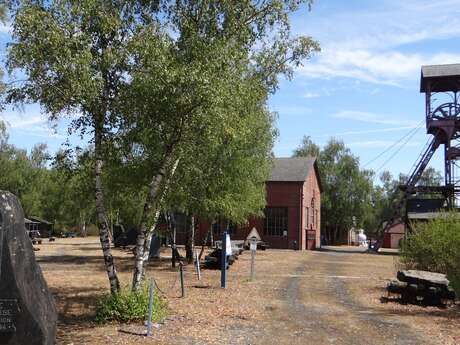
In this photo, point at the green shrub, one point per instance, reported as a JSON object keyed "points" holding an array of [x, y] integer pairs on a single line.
{"points": [[435, 246], [130, 306]]}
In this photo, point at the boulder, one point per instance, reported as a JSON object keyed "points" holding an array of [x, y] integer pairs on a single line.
{"points": [[27, 310]]}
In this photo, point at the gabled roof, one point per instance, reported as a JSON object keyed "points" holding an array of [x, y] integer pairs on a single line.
{"points": [[40, 220], [28, 221], [293, 169], [441, 77]]}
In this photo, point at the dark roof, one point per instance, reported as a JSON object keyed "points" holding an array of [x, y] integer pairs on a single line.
{"points": [[40, 220], [442, 78], [291, 169]]}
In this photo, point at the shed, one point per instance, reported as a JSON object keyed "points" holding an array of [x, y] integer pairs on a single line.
{"points": [[43, 226], [394, 235]]}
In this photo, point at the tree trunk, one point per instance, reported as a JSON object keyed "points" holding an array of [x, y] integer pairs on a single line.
{"points": [[212, 235], [157, 190], [190, 240], [172, 236], [205, 239], [100, 211]]}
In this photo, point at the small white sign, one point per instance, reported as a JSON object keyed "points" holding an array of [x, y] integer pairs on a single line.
{"points": [[285, 233], [253, 245], [228, 245]]}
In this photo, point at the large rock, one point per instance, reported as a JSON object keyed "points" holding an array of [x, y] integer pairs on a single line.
{"points": [[423, 277], [27, 310]]}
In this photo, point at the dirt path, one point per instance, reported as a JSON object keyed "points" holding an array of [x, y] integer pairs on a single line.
{"points": [[318, 309], [338, 318], [297, 298]]}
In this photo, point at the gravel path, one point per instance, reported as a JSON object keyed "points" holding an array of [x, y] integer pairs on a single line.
{"points": [[329, 297], [318, 309]]}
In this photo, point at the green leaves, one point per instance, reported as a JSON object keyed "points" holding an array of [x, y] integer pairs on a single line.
{"points": [[433, 246], [128, 305], [183, 79]]}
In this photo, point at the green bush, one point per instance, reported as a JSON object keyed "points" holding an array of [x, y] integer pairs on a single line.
{"points": [[435, 246], [130, 306]]}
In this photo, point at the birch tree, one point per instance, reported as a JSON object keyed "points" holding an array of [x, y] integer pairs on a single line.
{"points": [[76, 56], [185, 82]]}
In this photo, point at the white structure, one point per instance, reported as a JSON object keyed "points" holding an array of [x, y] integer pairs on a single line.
{"points": [[362, 238], [357, 237]]}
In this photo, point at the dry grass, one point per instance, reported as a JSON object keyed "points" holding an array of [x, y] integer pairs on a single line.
{"points": [[244, 313]]}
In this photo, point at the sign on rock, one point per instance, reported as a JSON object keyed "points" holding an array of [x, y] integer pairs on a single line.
{"points": [[8, 314], [27, 311]]}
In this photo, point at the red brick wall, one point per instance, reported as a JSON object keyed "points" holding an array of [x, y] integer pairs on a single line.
{"points": [[284, 194], [311, 190], [296, 196]]}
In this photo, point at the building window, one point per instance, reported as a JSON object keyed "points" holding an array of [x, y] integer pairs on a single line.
{"points": [[276, 221], [307, 217], [312, 212]]}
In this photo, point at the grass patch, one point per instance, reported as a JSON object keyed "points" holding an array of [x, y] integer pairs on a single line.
{"points": [[128, 306]]}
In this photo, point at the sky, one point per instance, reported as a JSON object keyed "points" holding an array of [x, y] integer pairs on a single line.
{"points": [[362, 88]]}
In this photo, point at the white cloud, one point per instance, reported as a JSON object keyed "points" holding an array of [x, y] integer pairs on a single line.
{"points": [[311, 95], [389, 68], [368, 117], [365, 44], [15, 121], [291, 110], [30, 123], [5, 29]]}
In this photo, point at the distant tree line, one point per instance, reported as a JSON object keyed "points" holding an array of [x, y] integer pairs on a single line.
{"points": [[350, 191]]}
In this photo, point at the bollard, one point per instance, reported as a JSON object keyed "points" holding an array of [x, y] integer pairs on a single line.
{"points": [[149, 320], [181, 269], [197, 261]]}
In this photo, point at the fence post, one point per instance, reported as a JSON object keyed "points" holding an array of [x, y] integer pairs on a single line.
{"points": [[149, 320], [181, 269], [197, 262]]}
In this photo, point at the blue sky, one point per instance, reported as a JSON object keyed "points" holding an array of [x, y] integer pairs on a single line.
{"points": [[362, 88]]}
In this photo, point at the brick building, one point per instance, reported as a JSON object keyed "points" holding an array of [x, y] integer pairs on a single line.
{"points": [[293, 212], [292, 215]]}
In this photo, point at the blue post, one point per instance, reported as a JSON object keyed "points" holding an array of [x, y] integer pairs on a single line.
{"points": [[223, 260]]}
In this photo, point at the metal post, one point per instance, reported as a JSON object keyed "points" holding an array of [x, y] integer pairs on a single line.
{"points": [[149, 320], [197, 262], [223, 262], [181, 269], [253, 257]]}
